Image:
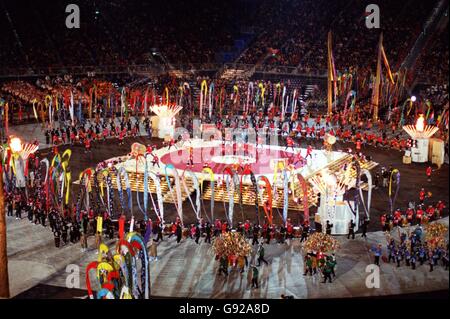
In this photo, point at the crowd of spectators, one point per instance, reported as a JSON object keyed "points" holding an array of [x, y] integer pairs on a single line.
{"points": [[297, 33], [116, 32], [289, 33], [432, 64]]}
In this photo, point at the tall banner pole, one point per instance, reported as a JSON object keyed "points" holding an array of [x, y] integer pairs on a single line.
{"points": [[376, 88], [330, 76]]}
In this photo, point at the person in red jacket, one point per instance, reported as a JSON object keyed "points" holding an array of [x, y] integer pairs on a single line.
{"points": [[422, 195], [308, 131], [358, 145], [55, 140], [410, 215], [217, 227], [379, 141], [121, 136], [173, 229], [430, 211], [309, 151], [398, 214], [247, 228], [155, 161], [383, 222], [440, 206], [224, 227], [72, 137], [419, 215], [289, 143], [87, 145], [428, 172]]}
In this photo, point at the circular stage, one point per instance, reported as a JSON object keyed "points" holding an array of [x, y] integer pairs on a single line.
{"points": [[261, 160], [218, 158]]}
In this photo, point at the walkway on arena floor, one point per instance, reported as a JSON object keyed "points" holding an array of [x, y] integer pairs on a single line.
{"points": [[189, 270]]}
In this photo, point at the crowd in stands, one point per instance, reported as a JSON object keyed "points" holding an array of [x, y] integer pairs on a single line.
{"points": [[116, 33], [432, 65], [297, 33], [290, 33]]}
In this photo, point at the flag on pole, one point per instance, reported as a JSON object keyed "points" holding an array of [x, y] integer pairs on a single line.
{"points": [[386, 63], [331, 74]]}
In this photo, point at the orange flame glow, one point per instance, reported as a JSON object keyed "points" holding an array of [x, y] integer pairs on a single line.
{"points": [[420, 124]]}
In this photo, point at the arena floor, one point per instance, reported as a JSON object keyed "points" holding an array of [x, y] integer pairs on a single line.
{"points": [[413, 178], [37, 268]]}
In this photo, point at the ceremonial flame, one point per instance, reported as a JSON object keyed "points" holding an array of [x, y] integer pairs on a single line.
{"points": [[167, 111], [15, 144], [420, 124]]}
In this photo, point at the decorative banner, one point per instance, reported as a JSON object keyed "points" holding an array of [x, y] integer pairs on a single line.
{"points": [[283, 104], [46, 183], [186, 189], [48, 105], [126, 252], [294, 105], [123, 102], [92, 96], [71, 108], [279, 166], [166, 91], [67, 175], [134, 239], [34, 109], [91, 266], [203, 96], [222, 97], [386, 64], [331, 74], [179, 202], [235, 95], [196, 183], [429, 107], [211, 95], [250, 91], [211, 177], [144, 210], [85, 178], [267, 205], [359, 173], [145, 101], [121, 227], [402, 118], [305, 203], [228, 172], [109, 191], [369, 192], [122, 172], [80, 111], [392, 201], [160, 211], [286, 195], [247, 171], [351, 94], [262, 93], [99, 224]]}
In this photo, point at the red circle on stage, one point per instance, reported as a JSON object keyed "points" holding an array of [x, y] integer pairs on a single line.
{"points": [[259, 158]]}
